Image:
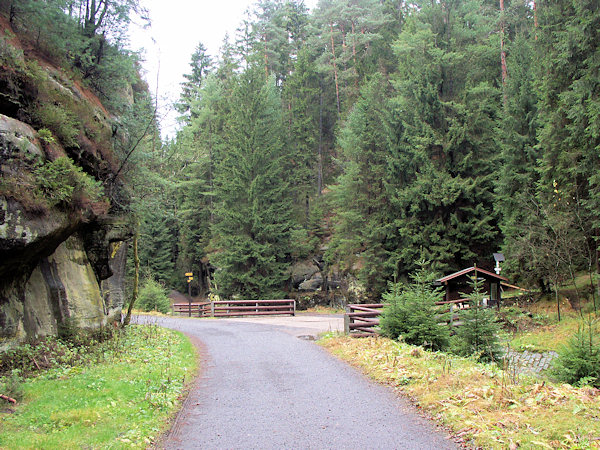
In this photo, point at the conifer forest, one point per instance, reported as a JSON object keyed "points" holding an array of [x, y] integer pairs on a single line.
{"points": [[360, 137]]}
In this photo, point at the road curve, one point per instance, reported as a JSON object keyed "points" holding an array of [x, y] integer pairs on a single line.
{"points": [[262, 387]]}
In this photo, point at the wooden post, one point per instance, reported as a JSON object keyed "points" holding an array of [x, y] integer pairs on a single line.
{"points": [[212, 309], [190, 298], [294, 312], [451, 314], [347, 321]]}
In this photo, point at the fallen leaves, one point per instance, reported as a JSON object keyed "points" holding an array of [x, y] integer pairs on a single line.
{"points": [[476, 401]]}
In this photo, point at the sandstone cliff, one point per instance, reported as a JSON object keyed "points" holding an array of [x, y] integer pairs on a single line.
{"points": [[62, 236]]}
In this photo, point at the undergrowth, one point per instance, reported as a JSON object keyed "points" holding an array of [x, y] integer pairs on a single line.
{"points": [[483, 405], [121, 397], [73, 347]]}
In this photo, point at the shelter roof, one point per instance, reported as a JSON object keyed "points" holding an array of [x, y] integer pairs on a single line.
{"points": [[468, 271]]}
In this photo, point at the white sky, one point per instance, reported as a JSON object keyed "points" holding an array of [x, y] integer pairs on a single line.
{"points": [[177, 27]]}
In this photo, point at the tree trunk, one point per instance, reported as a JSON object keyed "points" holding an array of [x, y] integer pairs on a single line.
{"points": [[535, 18], [502, 52], [266, 58], [335, 75], [320, 158], [136, 278], [557, 298]]}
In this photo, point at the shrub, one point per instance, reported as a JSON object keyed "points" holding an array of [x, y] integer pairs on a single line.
{"points": [[10, 56], [61, 122], [411, 313], [46, 135], [579, 360], [478, 334], [74, 346], [61, 179], [152, 297], [12, 386]]}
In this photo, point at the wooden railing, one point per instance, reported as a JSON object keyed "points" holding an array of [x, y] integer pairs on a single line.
{"points": [[237, 308], [192, 309], [362, 320]]}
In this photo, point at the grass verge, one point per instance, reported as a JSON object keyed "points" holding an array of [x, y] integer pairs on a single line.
{"points": [[481, 404], [124, 401], [547, 337]]}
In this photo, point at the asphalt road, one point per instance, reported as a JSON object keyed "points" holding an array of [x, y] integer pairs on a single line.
{"points": [[263, 387]]}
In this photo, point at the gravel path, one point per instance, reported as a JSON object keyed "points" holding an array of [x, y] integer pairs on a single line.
{"points": [[263, 387]]}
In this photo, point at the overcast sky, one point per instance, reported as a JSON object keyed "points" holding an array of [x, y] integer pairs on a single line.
{"points": [[177, 27]]}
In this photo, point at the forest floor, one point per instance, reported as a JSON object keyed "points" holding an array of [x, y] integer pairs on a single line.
{"points": [[263, 387]]}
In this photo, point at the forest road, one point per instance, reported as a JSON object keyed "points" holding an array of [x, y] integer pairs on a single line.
{"points": [[263, 387]]}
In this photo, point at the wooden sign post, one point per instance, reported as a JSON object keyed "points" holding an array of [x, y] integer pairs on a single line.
{"points": [[190, 277]]}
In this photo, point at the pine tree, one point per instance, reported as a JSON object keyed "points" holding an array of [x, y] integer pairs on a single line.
{"points": [[411, 313], [579, 360], [443, 165], [364, 212], [201, 65], [252, 202], [478, 334]]}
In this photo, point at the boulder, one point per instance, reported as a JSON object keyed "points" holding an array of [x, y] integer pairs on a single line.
{"points": [[61, 286], [302, 271], [311, 285]]}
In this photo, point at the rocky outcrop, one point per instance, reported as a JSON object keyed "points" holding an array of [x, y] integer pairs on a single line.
{"points": [[59, 265], [61, 258]]}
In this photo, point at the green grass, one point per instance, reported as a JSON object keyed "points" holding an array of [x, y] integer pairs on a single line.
{"points": [[483, 406], [549, 334], [547, 338], [123, 402]]}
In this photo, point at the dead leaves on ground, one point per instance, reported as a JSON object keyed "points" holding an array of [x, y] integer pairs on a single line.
{"points": [[479, 402]]}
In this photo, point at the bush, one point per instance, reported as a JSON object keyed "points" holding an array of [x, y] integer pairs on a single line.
{"points": [[478, 335], [61, 180], [12, 386], [412, 314], [579, 360], [61, 122], [152, 297], [74, 346]]}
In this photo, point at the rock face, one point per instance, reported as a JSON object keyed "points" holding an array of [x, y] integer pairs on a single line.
{"points": [[61, 259], [56, 266]]}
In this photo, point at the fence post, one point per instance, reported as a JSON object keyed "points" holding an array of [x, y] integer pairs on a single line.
{"points": [[451, 315], [347, 321], [294, 306], [212, 309]]}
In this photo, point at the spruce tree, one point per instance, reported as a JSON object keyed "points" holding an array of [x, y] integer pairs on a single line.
{"points": [[579, 360], [365, 231], [301, 94], [201, 65], [443, 165], [570, 114], [252, 202], [411, 313], [478, 334]]}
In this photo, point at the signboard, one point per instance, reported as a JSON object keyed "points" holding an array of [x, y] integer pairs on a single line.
{"points": [[189, 274]]}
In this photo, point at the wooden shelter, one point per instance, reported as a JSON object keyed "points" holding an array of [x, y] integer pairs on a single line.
{"points": [[457, 284]]}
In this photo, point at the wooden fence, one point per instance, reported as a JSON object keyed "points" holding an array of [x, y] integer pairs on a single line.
{"points": [[362, 320], [237, 308], [192, 309]]}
